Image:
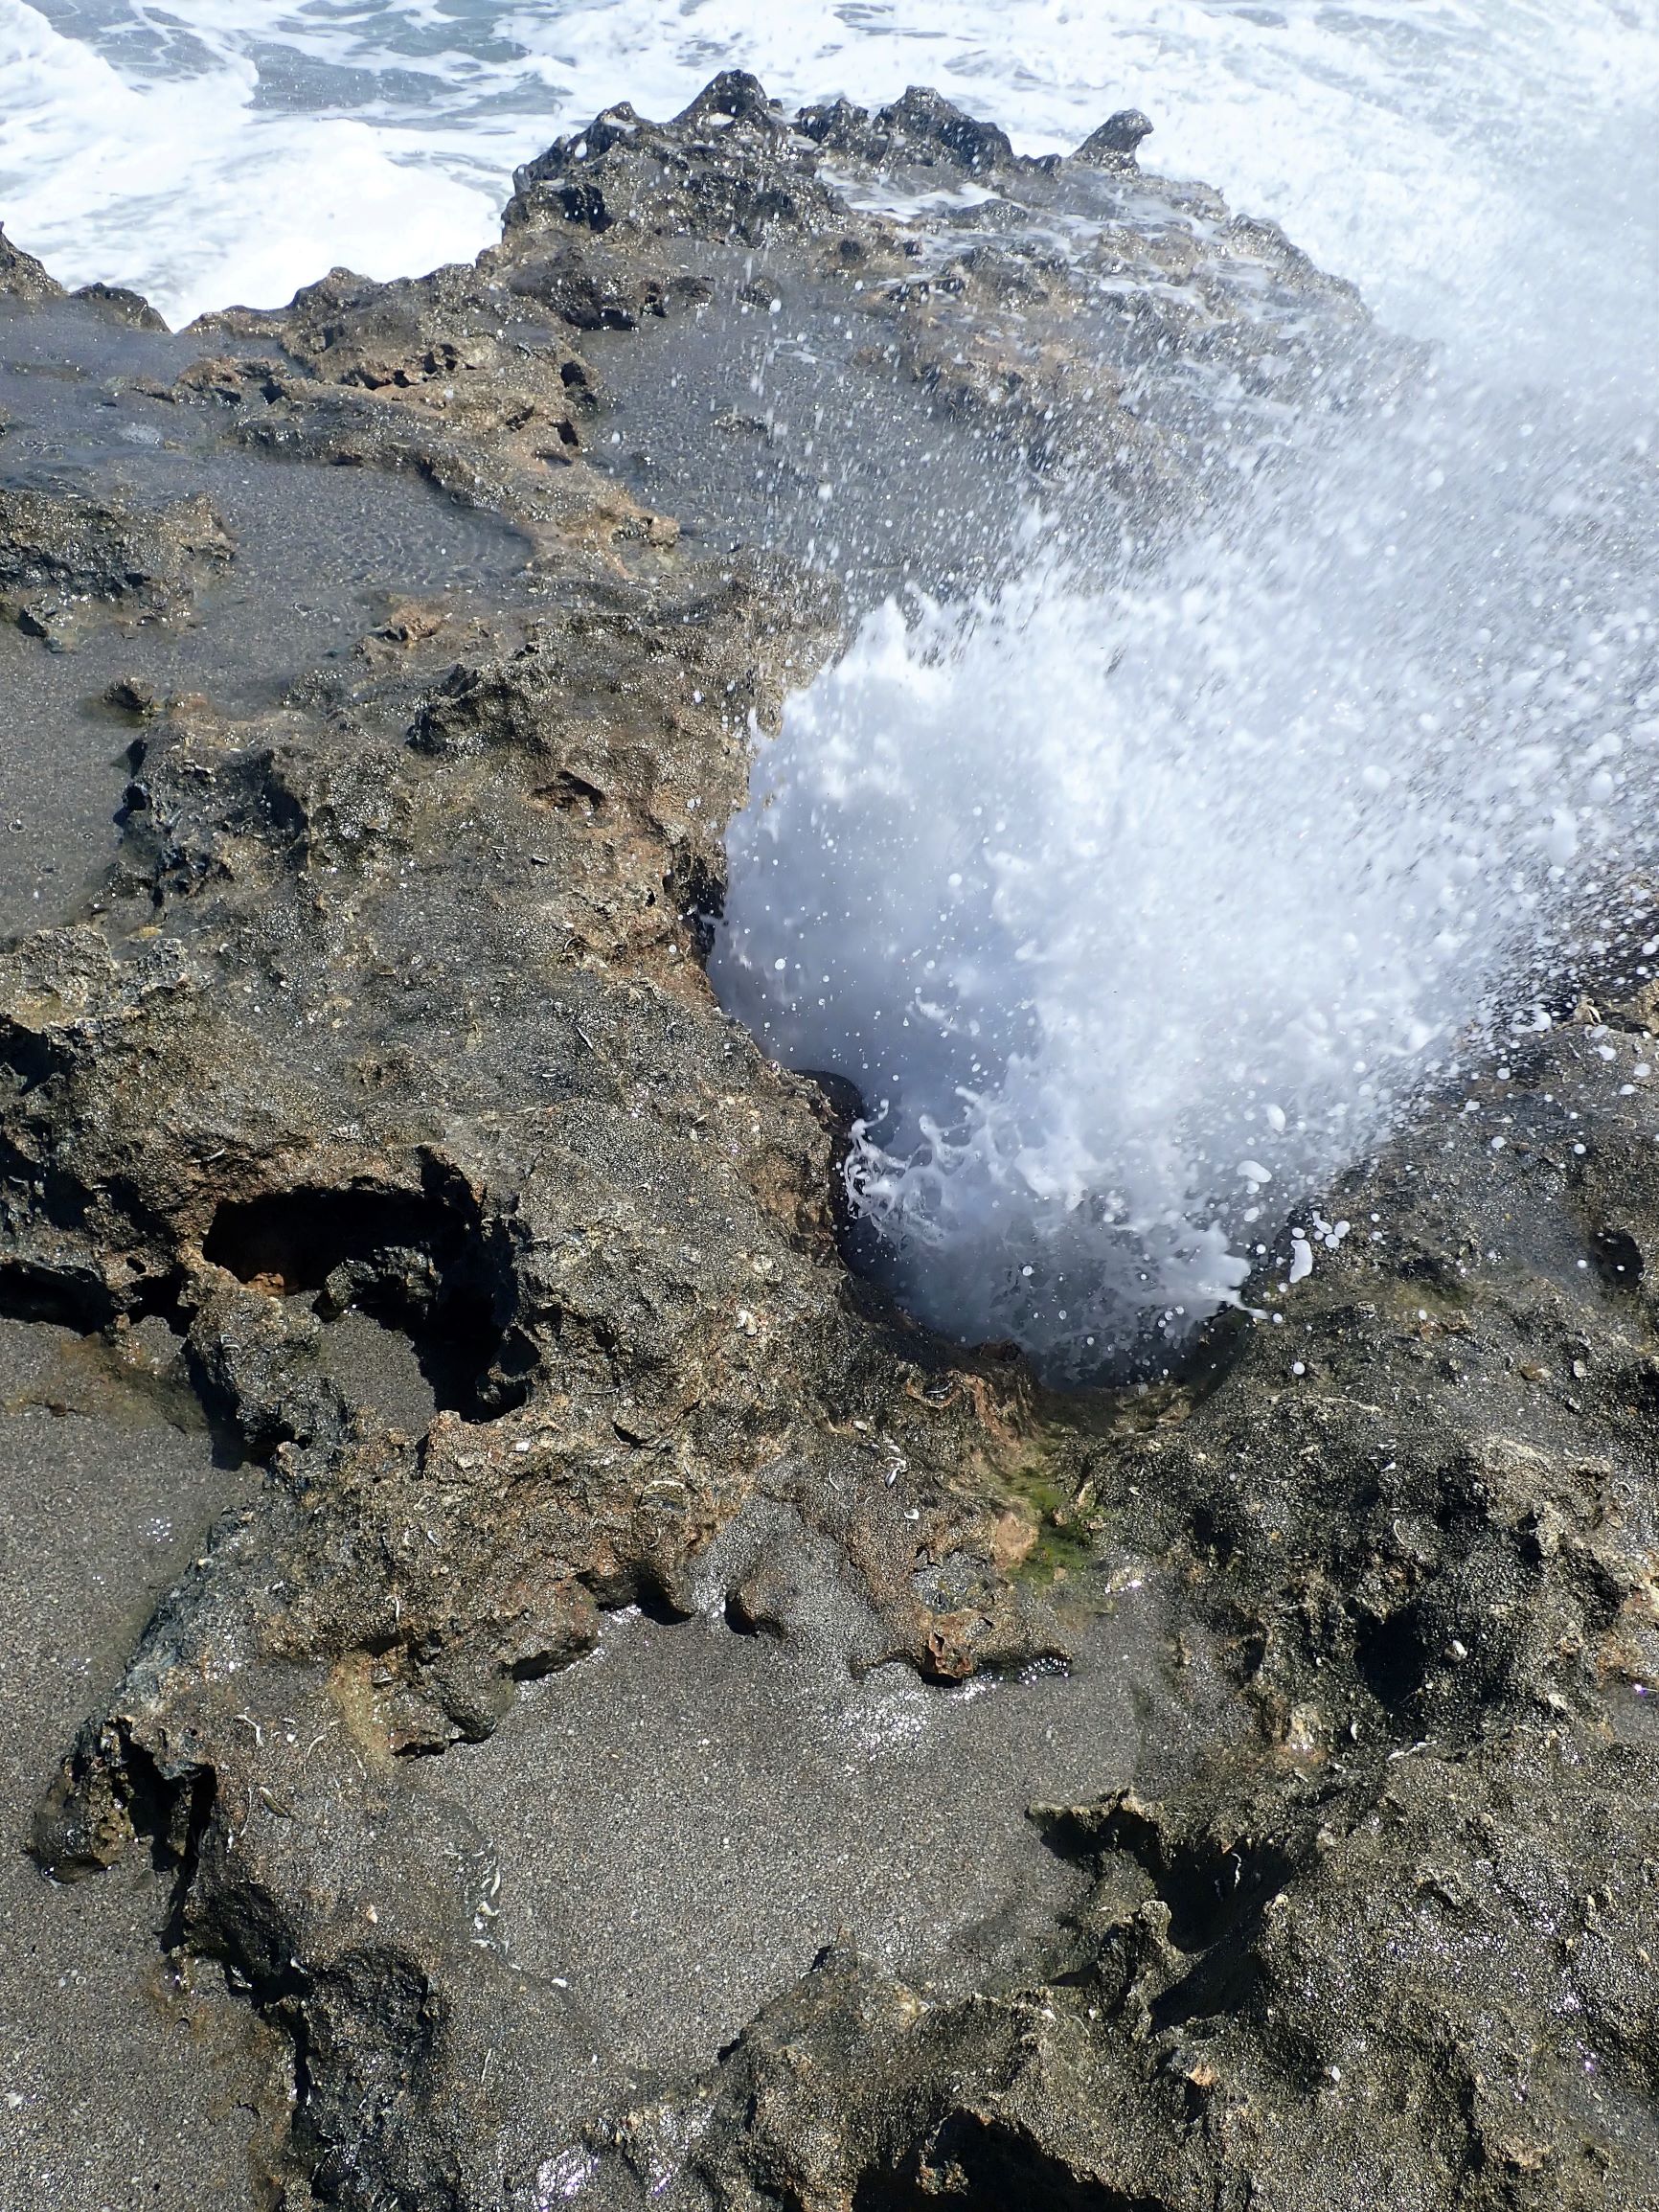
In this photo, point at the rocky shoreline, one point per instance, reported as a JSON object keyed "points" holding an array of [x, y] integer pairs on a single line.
{"points": [[650, 1724]]}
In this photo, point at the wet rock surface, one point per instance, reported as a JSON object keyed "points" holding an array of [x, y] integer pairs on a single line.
{"points": [[1270, 1817]]}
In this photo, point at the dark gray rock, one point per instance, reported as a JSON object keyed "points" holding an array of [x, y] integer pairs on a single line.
{"points": [[1117, 141]]}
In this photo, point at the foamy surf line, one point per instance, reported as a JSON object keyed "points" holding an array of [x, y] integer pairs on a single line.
{"points": [[1466, 163]]}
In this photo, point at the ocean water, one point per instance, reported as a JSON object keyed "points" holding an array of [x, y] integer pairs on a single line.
{"points": [[1137, 905], [1465, 161]]}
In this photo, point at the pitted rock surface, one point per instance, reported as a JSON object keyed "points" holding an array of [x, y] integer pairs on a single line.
{"points": [[383, 1069]]}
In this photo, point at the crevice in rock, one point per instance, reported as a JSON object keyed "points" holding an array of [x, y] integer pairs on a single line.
{"points": [[973, 2163], [700, 888], [81, 1303], [1210, 1888], [415, 1261], [1618, 1259], [1392, 1659]]}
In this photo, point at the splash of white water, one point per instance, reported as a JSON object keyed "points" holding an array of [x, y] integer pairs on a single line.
{"points": [[1330, 741], [1136, 912]]}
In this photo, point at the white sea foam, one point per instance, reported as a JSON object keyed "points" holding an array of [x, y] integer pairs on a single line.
{"points": [[1140, 907], [1464, 160], [176, 177], [1138, 910]]}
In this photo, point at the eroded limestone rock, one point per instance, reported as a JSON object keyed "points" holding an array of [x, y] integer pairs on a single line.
{"points": [[393, 1007]]}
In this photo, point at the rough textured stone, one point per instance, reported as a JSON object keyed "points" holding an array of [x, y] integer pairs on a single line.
{"points": [[392, 1016], [22, 277], [58, 552]]}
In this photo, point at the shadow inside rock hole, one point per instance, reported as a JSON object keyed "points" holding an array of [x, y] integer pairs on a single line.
{"points": [[976, 2164], [415, 1263]]}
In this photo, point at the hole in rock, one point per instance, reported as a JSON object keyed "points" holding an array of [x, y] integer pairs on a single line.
{"points": [[973, 2164], [415, 1264], [1392, 1658], [28, 1294], [1618, 1259], [1208, 1889]]}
